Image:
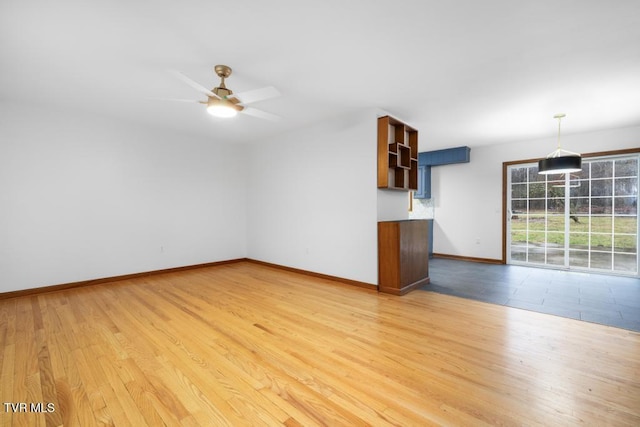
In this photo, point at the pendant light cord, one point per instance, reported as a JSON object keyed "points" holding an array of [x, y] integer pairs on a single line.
{"points": [[559, 117], [559, 152]]}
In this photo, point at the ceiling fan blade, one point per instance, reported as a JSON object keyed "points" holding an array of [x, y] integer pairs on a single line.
{"points": [[195, 85], [255, 95], [260, 114]]}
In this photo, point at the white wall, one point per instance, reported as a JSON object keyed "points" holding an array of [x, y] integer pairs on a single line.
{"points": [[468, 196], [393, 205], [312, 198], [85, 197]]}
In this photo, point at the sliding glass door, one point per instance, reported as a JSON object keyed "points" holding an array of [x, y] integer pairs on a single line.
{"points": [[582, 221]]}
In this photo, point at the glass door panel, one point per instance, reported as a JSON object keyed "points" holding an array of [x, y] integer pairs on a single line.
{"points": [[587, 220]]}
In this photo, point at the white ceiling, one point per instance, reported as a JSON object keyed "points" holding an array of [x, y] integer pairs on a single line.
{"points": [[464, 72]]}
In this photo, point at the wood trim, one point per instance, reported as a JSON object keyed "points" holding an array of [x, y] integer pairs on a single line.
{"points": [[471, 259], [406, 289], [504, 212], [63, 286], [318, 275], [505, 165], [612, 152]]}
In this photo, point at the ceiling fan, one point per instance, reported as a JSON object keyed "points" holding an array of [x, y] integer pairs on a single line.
{"points": [[222, 102]]}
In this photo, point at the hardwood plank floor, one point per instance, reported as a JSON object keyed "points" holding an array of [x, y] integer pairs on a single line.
{"points": [[246, 344]]}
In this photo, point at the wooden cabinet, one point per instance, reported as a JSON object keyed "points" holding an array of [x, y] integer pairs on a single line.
{"points": [[397, 155], [403, 255]]}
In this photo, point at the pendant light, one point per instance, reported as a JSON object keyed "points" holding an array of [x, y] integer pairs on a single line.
{"points": [[560, 161]]}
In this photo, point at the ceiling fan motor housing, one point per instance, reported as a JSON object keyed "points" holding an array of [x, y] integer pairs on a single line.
{"points": [[222, 92]]}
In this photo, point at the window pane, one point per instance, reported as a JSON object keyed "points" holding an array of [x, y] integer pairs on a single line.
{"points": [[519, 206], [601, 169], [578, 222], [519, 223], [601, 205], [555, 239], [537, 222], [601, 242], [625, 243], [519, 253], [518, 191], [556, 222], [534, 175], [601, 187], [626, 186], [536, 238], [555, 257], [536, 256], [555, 192], [579, 241], [579, 259], [555, 205], [556, 183], [625, 262], [585, 173], [579, 226], [581, 190], [580, 206], [601, 260], [601, 224], [519, 236], [626, 205], [625, 224], [518, 175], [537, 190], [537, 206], [627, 167]]}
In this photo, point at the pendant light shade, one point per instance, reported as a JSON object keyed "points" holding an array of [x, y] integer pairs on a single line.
{"points": [[560, 161], [562, 164]]}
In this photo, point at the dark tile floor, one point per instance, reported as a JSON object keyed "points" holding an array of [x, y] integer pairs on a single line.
{"points": [[608, 300]]}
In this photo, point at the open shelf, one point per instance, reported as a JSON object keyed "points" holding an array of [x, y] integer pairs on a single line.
{"points": [[397, 155]]}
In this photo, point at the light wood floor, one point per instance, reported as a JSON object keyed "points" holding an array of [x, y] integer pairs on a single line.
{"points": [[245, 344]]}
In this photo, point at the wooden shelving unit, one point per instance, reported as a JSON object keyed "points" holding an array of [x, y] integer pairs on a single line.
{"points": [[397, 155]]}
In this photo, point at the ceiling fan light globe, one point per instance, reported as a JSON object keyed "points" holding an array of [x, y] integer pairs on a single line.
{"points": [[222, 111]]}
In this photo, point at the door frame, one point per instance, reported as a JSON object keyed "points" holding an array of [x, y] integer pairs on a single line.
{"points": [[505, 167]]}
